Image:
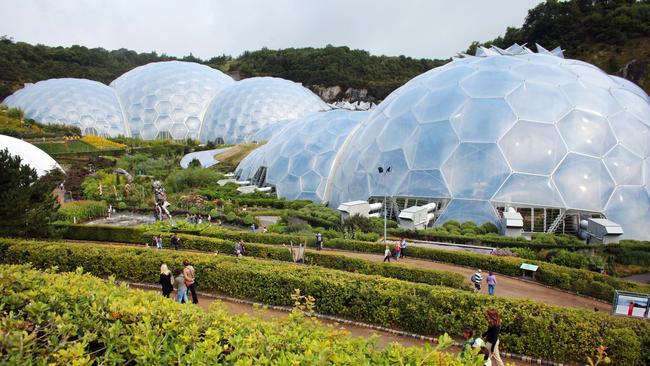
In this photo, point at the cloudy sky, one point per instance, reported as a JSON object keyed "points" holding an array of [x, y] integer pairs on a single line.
{"points": [[205, 28]]}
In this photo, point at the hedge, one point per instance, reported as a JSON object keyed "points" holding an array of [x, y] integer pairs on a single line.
{"points": [[560, 334], [78, 319], [576, 280], [323, 259], [83, 210]]}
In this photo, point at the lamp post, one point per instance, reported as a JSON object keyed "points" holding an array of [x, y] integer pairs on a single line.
{"points": [[383, 173]]}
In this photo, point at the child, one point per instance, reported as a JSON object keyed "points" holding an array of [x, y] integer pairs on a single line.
{"points": [[468, 343], [181, 288], [397, 250], [387, 254]]}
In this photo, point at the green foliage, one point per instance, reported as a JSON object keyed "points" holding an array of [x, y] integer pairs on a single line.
{"points": [[323, 259], [156, 164], [570, 259], [525, 253], [431, 309], [83, 210], [195, 163], [77, 319], [122, 206], [15, 113], [27, 205], [69, 147], [182, 180], [104, 186]]}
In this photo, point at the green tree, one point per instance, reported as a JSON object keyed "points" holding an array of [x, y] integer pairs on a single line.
{"points": [[27, 205]]}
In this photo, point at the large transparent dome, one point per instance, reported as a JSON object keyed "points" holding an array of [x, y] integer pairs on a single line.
{"points": [[508, 128], [87, 104], [29, 154], [298, 159], [251, 104], [168, 99]]}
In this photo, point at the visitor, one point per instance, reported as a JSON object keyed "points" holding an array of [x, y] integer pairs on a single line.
{"points": [[166, 280], [240, 248], [397, 251], [154, 242], [181, 288], [253, 228], [176, 241], [491, 282], [190, 280], [492, 335], [468, 343], [199, 220], [319, 241], [402, 248], [264, 230], [476, 279], [209, 218], [387, 254], [159, 242]]}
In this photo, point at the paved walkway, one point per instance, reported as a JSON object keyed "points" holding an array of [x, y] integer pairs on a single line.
{"points": [[506, 286], [206, 157]]}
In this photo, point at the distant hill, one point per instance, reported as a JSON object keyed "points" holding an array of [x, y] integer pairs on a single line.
{"points": [[612, 34]]}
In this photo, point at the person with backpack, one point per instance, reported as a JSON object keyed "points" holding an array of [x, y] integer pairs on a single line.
{"points": [[190, 280], [476, 279], [397, 251], [319, 241]]}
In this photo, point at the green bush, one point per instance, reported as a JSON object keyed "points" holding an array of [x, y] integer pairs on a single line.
{"points": [[418, 308], [570, 259], [121, 206], [77, 319], [182, 180], [524, 253], [83, 210], [329, 260]]}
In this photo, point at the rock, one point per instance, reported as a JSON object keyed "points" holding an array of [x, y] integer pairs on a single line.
{"points": [[633, 70]]}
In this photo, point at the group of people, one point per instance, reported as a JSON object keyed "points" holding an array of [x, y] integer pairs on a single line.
{"points": [[398, 252], [488, 343], [182, 280], [157, 242], [477, 280]]}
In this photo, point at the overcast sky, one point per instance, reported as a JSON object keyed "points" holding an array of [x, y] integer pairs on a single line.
{"points": [[417, 28]]}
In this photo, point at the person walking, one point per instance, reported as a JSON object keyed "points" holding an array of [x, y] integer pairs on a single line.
{"points": [[319, 241], [190, 280], [397, 251], [402, 248], [491, 282], [176, 241], [491, 336], [476, 279], [166, 280], [181, 288], [387, 254], [159, 242]]}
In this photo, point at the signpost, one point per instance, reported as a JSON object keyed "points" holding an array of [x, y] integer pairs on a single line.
{"points": [[631, 304], [528, 267]]}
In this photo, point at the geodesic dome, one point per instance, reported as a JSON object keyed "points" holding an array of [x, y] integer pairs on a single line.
{"points": [[29, 154], [508, 128], [168, 99], [252, 104], [298, 159], [87, 104]]}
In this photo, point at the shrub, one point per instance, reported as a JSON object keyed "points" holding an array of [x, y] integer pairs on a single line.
{"points": [[121, 206], [524, 253], [181, 180], [570, 259], [424, 309], [75, 319], [83, 210]]}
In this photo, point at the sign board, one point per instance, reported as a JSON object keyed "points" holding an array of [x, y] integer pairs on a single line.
{"points": [[631, 304], [529, 267]]}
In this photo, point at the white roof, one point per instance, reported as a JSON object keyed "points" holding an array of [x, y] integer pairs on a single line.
{"points": [[30, 154]]}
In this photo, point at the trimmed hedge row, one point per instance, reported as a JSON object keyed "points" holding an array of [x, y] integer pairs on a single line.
{"points": [[323, 259], [571, 279], [560, 334], [82, 320]]}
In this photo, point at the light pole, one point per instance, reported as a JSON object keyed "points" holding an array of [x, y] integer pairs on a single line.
{"points": [[383, 173]]}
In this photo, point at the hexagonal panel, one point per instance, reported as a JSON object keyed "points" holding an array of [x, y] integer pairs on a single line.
{"points": [[539, 102], [634, 104], [389, 183], [424, 183], [625, 167], [483, 120], [405, 101], [583, 182], [439, 105], [178, 131], [595, 100], [544, 73], [476, 211], [529, 190], [475, 170], [300, 164], [431, 145], [490, 83], [310, 181], [397, 133], [586, 133], [630, 207], [449, 77], [532, 147], [631, 133]]}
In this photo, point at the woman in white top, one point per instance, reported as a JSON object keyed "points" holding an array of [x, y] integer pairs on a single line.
{"points": [[387, 255]]}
